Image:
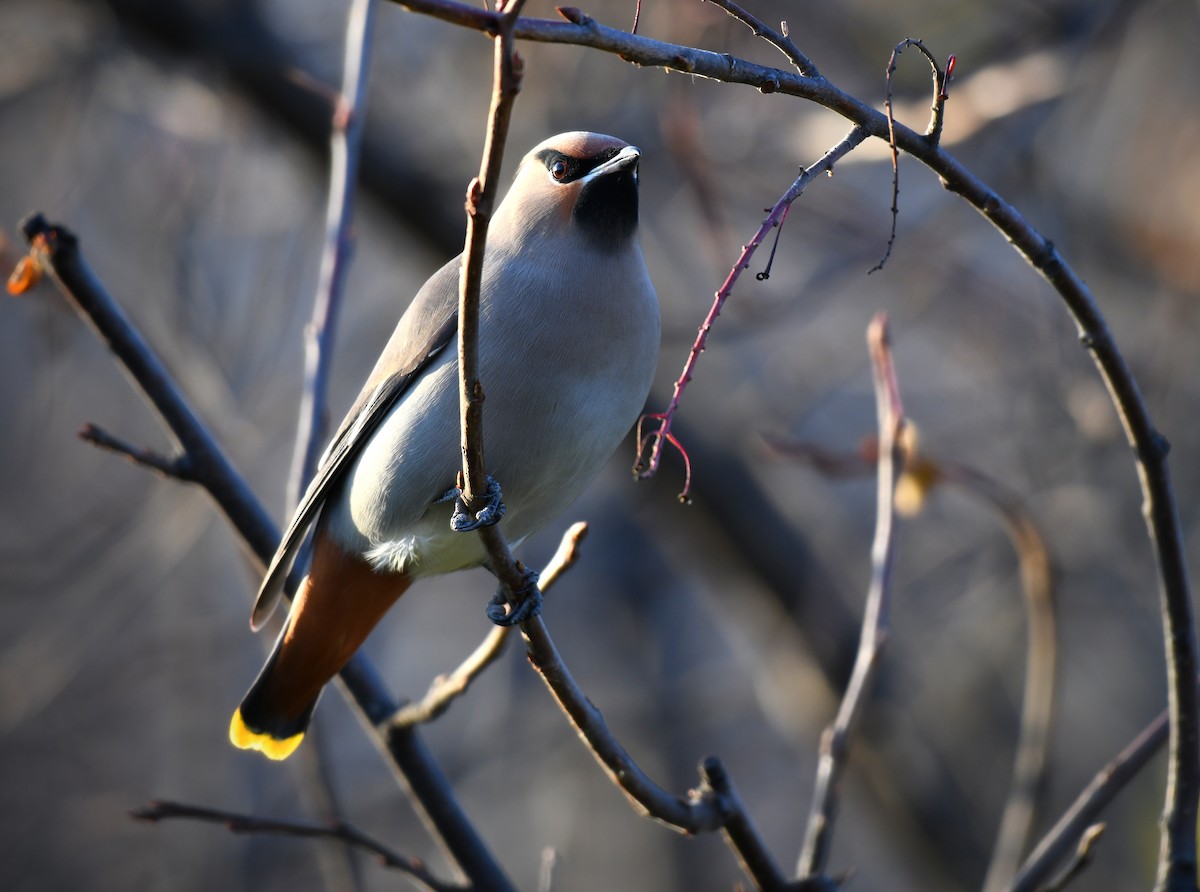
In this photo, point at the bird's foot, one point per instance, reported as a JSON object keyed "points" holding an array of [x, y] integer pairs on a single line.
{"points": [[513, 608], [463, 521]]}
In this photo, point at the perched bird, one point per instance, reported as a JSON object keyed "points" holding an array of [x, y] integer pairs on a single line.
{"points": [[569, 334]]}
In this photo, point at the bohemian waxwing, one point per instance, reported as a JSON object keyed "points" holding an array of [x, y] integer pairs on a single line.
{"points": [[569, 334]]}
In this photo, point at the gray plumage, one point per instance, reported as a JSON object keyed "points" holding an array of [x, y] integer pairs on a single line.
{"points": [[569, 338]]}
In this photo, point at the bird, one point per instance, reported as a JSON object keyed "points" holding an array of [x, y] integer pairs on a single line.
{"points": [[568, 345]]}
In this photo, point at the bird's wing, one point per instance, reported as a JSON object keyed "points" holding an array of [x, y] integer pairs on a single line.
{"points": [[429, 325]]}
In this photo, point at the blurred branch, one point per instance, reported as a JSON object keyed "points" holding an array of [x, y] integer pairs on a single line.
{"points": [[1082, 858], [341, 831], [448, 688], [835, 742], [650, 445], [347, 118], [1037, 702], [1177, 859], [1066, 835], [345, 146], [922, 473], [57, 250]]}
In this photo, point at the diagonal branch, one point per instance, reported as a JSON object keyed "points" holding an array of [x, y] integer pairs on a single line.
{"points": [[651, 445], [1066, 836], [57, 250], [448, 688], [778, 39]]}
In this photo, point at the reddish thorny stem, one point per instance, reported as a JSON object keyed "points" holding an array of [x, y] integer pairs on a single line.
{"points": [[647, 465]]}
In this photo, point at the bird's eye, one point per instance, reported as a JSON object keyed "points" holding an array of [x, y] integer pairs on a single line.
{"points": [[558, 169]]}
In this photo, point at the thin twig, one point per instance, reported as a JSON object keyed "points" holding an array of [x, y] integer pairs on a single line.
{"points": [[778, 39], [345, 145], [651, 444], [835, 742], [176, 467], [933, 132], [694, 814], [1081, 859], [1064, 836], [57, 250], [341, 831], [445, 689], [481, 200]]}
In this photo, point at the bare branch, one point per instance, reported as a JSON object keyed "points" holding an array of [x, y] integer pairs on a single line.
{"points": [[57, 250], [933, 132], [345, 150], [176, 467], [651, 445], [1066, 835], [695, 814], [835, 742], [481, 198], [778, 39], [1083, 857], [445, 689], [341, 831], [1037, 703]]}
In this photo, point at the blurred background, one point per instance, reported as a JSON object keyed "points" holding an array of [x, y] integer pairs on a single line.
{"points": [[185, 143]]}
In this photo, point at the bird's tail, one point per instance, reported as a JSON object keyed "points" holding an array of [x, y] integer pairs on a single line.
{"points": [[338, 605], [268, 720]]}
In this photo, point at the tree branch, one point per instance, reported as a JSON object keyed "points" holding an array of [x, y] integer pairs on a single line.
{"points": [[651, 445], [1066, 835], [343, 832], [448, 688], [57, 250], [835, 742], [345, 146]]}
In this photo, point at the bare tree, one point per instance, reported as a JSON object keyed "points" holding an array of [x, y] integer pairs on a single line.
{"points": [[714, 804]]}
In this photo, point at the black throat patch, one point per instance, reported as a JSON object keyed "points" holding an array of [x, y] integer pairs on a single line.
{"points": [[607, 207]]}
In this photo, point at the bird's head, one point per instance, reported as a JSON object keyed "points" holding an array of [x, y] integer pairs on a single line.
{"points": [[578, 181]]}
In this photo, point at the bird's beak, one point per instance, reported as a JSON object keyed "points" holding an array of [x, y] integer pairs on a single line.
{"points": [[625, 159]]}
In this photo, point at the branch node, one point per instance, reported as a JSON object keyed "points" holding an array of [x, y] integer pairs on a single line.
{"points": [[574, 15]]}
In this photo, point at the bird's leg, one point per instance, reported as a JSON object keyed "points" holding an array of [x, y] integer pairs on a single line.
{"points": [[463, 521], [526, 603]]}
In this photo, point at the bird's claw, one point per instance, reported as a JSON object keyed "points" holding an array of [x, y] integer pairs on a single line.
{"points": [[463, 521], [512, 609]]}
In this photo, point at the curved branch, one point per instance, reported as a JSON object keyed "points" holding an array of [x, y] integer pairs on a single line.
{"points": [[1177, 862]]}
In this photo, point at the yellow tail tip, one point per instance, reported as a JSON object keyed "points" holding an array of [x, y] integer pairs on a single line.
{"points": [[245, 739]]}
